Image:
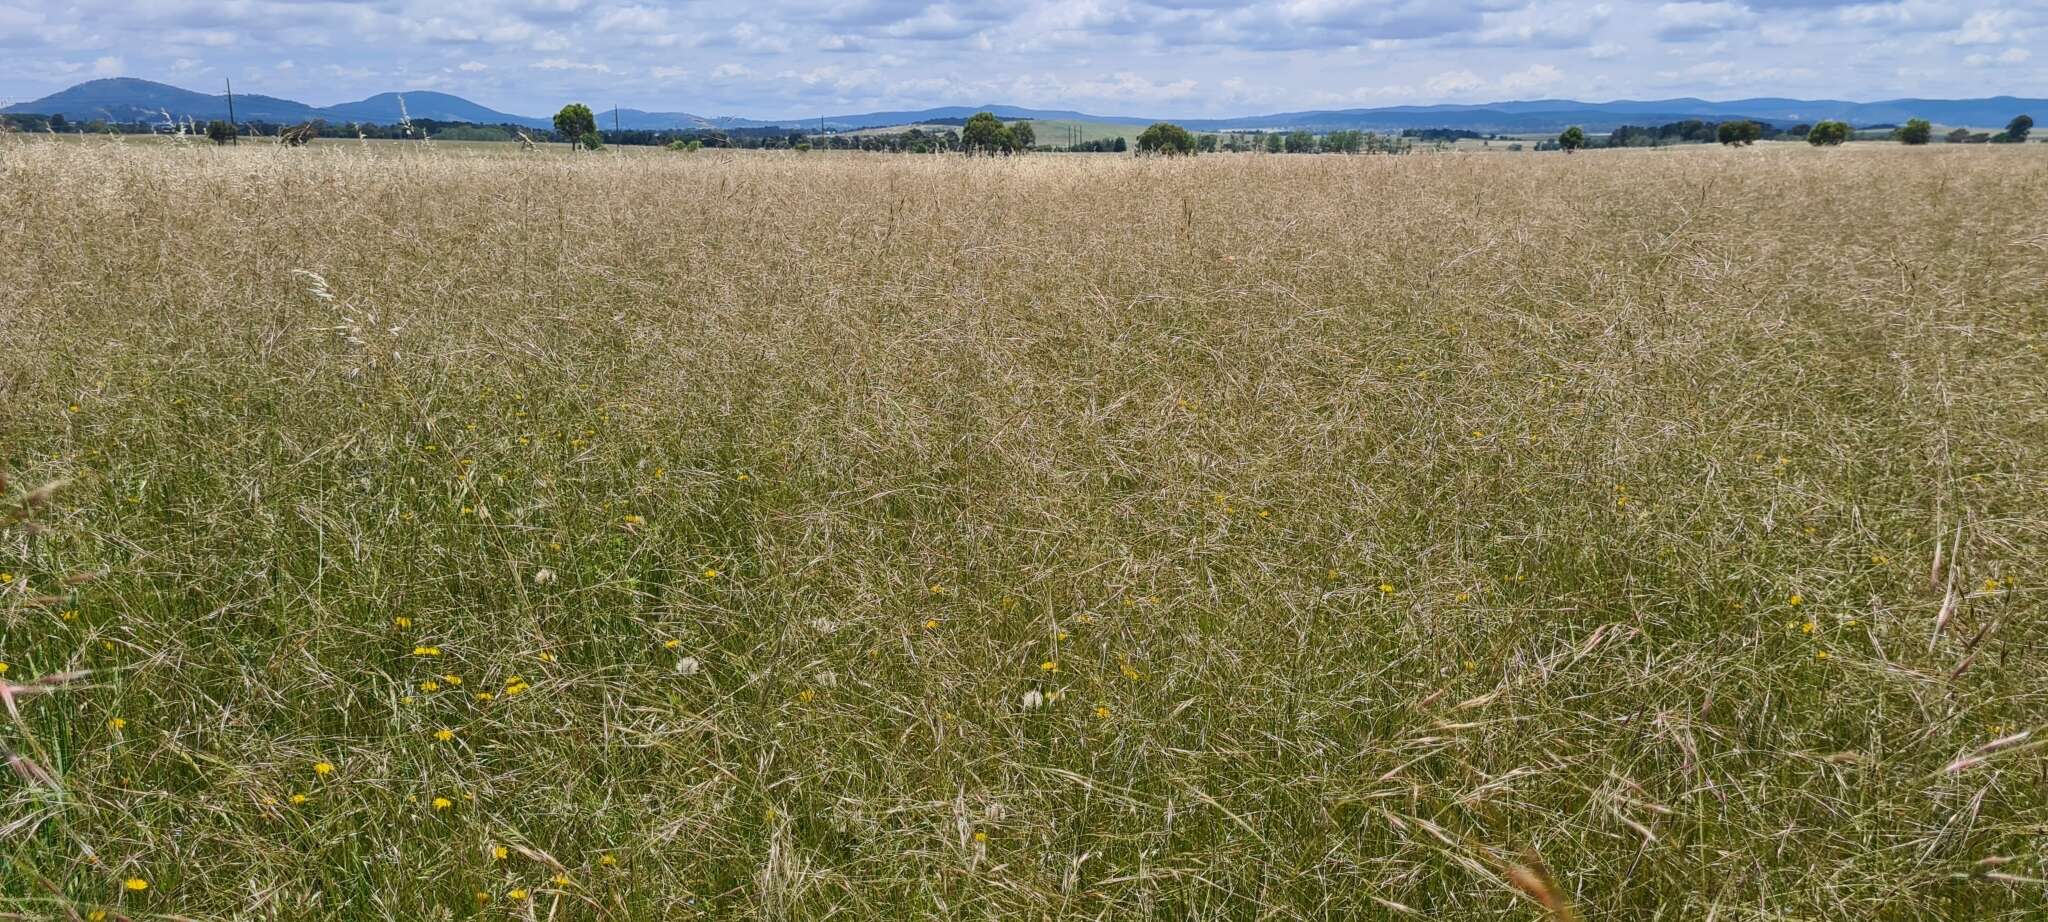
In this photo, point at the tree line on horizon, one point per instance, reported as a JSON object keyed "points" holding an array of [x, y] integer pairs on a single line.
{"points": [[1744, 132], [985, 134]]}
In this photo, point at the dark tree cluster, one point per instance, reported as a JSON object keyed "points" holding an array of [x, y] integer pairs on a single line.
{"points": [[1101, 146], [1443, 134], [1299, 141], [1166, 138], [986, 134], [2016, 131], [1696, 131], [1828, 134]]}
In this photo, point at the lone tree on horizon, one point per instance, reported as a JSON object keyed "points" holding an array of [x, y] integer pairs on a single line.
{"points": [[1828, 134], [1916, 131], [574, 123], [1572, 139], [2016, 131], [986, 134], [1166, 138]]}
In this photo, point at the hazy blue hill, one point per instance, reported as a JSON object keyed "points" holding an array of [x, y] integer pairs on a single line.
{"points": [[125, 99], [383, 109]]}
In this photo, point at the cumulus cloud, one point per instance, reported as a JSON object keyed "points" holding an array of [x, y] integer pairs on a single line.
{"points": [[1535, 78], [569, 65], [1453, 83], [1692, 21]]}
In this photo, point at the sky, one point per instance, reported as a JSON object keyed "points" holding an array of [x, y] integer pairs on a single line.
{"points": [[1188, 58]]}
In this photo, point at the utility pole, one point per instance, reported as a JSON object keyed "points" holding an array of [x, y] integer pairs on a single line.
{"points": [[235, 135]]}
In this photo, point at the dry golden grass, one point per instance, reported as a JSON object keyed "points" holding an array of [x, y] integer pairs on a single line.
{"points": [[883, 537]]}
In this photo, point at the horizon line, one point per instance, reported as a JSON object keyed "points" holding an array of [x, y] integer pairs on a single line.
{"points": [[1066, 107]]}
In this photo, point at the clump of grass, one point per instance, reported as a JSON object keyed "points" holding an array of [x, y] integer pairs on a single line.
{"points": [[487, 536]]}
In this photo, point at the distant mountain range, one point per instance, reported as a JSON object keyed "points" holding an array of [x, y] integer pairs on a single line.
{"points": [[125, 99]]}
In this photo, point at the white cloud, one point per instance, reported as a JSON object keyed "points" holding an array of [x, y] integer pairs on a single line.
{"points": [[566, 64], [1453, 83], [749, 37], [1535, 78], [109, 66], [1688, 21], [1987, 27], [633, 19], [2008, 57]]}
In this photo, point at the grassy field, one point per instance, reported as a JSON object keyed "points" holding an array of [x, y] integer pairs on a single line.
{"points": [[1056, 132], [454, 534]]}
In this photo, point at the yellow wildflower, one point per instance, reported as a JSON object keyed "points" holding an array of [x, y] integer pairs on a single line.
{"points": [[137, 884], [443, 803], [323, 769], [444, 734]]}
